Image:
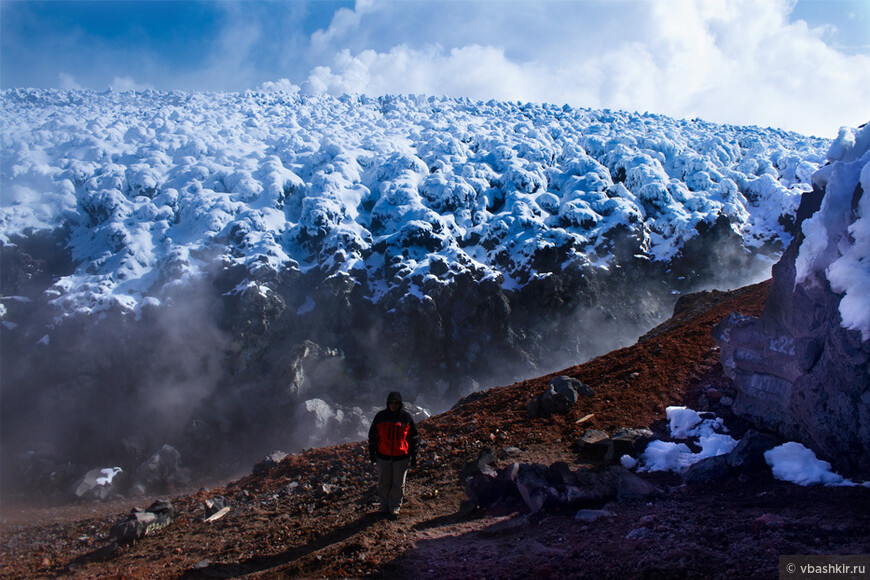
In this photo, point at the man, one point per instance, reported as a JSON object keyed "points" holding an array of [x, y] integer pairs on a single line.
{"points": [[393, 448]]}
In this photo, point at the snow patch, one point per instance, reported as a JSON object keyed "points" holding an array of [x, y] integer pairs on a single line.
{"points": [[687, 424], [109, 474], [795, 463]]}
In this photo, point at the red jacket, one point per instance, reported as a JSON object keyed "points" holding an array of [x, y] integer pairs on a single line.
{"points": [[393, 435]]}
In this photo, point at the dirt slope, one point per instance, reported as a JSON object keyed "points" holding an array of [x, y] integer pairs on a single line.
{"points": [[313, 515]]}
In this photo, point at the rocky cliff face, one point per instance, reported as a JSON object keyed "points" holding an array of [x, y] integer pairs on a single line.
{"points": [[803, 367]]}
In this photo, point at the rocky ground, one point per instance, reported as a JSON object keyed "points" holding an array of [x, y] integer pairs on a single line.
{"points": [[313, 515]]}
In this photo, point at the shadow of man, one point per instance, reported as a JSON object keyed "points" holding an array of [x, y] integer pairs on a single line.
{"points": [[206, 569]]}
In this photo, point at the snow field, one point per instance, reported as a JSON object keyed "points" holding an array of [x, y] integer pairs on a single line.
{"points": [[158, 187]]}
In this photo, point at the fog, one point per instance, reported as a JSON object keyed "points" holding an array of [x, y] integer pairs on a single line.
{"points": [[226, 381]]}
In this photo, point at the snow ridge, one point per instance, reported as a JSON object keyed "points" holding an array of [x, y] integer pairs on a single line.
{"points": [[399, 191]]}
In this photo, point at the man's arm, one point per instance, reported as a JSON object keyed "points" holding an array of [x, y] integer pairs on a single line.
{"points": [[373, 440]]}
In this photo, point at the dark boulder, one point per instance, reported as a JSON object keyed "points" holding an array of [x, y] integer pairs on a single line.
{"points": [[748, 455], [484, 483], [533, 486], [708, 470], [143, 522], [746, 459], [595, 445], [562, 394], [631, 442], [160, 472]]}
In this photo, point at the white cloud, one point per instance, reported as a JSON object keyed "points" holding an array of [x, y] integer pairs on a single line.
{"points": [[279, 86], [481, 72], [344, 22], [68, 82], [128, 84], [729, 61]]}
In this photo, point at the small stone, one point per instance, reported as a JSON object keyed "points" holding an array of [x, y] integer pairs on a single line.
{"points": [[768, 522], [268, 463], [631, 441], [592, 437], [592, 515], [639, 534]]}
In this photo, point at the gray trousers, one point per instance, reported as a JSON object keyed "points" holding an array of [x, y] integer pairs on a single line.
{"points": [[391, 482]]}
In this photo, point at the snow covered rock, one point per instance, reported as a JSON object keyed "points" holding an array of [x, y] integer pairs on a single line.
{"points": [[97, 484], [801, 369], [317, 421], [189, 249]]}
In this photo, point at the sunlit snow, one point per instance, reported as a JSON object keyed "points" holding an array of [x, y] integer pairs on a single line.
{"points": [[156, 187]]}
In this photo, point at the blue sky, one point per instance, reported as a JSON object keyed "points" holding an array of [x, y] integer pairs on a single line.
{"points": [[801, 65]]}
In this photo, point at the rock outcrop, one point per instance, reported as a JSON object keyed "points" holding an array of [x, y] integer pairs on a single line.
{"points": [[802, 368]]}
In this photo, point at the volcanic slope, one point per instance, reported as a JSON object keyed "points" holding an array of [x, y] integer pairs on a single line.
{"points": [[313, 514]]}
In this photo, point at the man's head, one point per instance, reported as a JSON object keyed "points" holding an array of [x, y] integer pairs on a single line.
{"points": [[394, 401]]}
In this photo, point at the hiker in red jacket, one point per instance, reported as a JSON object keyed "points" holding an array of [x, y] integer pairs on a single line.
{"points": [[393, 447]]}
